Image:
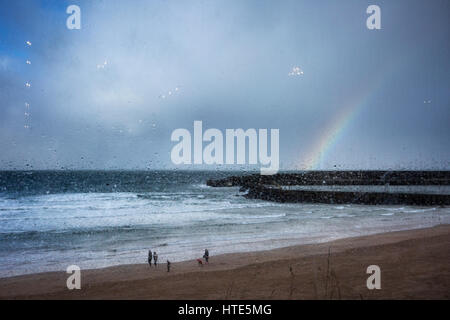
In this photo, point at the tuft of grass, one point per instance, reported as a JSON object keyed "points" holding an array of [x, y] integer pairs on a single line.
{"points": [[330, 281], [292, 286], [229, 291]]}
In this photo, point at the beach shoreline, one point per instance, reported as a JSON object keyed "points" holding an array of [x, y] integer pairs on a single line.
{"points": [[415, 264]]}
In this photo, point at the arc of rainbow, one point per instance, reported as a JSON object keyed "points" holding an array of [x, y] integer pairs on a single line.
{"points": [[348, 112], [329, 137], [336, 128]]}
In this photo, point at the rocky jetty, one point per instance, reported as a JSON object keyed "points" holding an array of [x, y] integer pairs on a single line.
{"points": [[273, 188]]}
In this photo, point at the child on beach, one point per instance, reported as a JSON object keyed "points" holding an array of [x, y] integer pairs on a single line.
{"points": [[168, 266], [206, 255], [155, 258]]}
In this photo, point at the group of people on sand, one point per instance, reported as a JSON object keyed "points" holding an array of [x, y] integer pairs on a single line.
{"points": [[154, 256]]}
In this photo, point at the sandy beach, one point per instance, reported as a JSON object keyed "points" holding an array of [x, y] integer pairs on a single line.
{"points": [[414, 264]]}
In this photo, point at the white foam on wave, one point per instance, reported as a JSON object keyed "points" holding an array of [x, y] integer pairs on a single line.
{"points": [[419, 210]]}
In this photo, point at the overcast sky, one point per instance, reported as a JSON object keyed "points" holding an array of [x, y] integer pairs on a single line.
{"points": [[109, 95]]}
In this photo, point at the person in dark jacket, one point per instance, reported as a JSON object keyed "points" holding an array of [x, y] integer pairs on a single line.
{"points": [[150, 258], [206, 255], [168, 266]]}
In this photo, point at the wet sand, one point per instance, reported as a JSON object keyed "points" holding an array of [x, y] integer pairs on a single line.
{"points": [[414, 264]]}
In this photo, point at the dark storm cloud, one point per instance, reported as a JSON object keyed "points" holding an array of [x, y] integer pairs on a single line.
{"points": [[100, 95]]}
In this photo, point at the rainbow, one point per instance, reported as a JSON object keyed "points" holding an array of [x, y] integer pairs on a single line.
{"points": [[336, 128], [330, 136]]}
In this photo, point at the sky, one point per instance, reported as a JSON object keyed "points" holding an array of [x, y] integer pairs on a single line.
{"points": [[109, 95]]}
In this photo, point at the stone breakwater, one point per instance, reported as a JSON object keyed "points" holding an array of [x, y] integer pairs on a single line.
{"points": [[272, 188]]}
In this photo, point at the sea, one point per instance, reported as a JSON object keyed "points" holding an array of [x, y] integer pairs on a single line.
{"points": [[50, 220]]}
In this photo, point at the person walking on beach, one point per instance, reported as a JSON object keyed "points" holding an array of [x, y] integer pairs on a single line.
{"points": [[206, 255], [168, 266], [155, 258], [150, 258]]}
